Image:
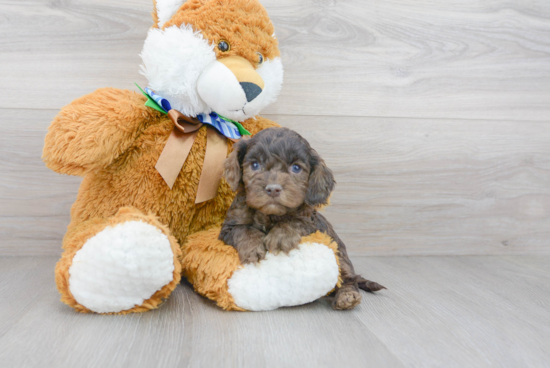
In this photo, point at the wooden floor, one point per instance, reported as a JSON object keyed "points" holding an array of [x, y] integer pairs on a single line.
{"points": [[459, 311]]}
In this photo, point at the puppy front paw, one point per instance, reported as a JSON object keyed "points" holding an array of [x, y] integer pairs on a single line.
{"points": [[281, 240], [251, 251], [347, 297]]}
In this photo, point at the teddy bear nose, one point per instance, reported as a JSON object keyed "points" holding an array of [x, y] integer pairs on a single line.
{"points": [[273, 190], [251, 90]]}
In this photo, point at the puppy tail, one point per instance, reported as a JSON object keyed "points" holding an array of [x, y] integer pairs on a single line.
{"points": [[368, 285]]}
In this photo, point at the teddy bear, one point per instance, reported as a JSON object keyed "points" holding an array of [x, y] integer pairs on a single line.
{"points": [[153, 198]]}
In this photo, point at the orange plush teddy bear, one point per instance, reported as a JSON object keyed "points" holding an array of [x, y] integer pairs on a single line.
{"points": [[152, 163]]}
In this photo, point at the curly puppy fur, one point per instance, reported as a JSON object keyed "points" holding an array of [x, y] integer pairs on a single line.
{"points": [[280, 181]]}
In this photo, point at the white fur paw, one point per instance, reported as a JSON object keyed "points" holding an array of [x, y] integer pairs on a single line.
{"points": [[302, 276], [121, 267]]}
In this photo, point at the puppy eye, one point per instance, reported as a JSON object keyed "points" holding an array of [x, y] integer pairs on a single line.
{"points": [[255, 166], [224, 46], [260, 58], [296, 169]]}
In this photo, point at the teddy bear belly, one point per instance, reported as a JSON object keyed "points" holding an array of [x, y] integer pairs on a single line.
{"points": [[304, 275], [138, 184]]}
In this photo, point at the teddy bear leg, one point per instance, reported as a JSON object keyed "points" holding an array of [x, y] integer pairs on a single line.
{"points": [[304, 275], [126, 263], [208, 263]]}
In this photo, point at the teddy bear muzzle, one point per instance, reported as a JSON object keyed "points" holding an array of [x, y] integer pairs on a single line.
{"points": [[227, 85]]}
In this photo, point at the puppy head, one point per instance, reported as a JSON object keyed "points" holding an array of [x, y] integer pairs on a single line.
{"points": [[279, 172], [213, 55]]}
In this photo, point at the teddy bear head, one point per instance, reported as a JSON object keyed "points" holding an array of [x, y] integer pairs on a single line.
{"points": [[213, 56]]}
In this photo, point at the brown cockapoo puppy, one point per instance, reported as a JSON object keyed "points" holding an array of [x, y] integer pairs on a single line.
{"points": [[280, 181]]}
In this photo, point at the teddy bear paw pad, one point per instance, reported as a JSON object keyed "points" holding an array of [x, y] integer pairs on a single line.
{"points": [[121, 267], [304, 275]]}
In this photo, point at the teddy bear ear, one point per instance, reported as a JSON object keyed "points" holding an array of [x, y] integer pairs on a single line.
{"points": [[164, 10]]}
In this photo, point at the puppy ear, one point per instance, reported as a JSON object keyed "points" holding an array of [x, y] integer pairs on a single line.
{"points": [[233, 164], [321, 182]]}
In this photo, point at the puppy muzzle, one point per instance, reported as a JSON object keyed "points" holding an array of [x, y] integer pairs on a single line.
{"points": [[273, 190]]}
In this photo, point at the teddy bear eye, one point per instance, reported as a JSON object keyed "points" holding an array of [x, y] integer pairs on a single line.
{"points": [[255, 166], [260, 58], [223, 45], [296, 169]]}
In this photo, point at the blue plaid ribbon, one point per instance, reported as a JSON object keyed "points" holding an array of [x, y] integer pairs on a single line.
{"points": [[222, 125], [162, 102], [225, 127]]}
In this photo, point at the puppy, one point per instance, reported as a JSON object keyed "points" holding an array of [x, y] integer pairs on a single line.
{"points": [[280, 181]]}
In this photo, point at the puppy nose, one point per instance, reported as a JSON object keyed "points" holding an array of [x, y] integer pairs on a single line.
{"points": [[251, 90], [273, 190]]}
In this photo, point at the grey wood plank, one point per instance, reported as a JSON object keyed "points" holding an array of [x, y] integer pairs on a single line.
{"points": [[53, 52], [537, 266], [23, 281], [468, 59], [405, 186], [307, 336], [516, 288], [459, 311], [189, 331], [423, 186], [35, 202]]}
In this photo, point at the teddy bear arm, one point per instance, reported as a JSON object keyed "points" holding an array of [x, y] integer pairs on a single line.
{"points": [[92, 131]]}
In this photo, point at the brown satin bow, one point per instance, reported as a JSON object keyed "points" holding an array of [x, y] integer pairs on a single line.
{"points": [[177, 149]]}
